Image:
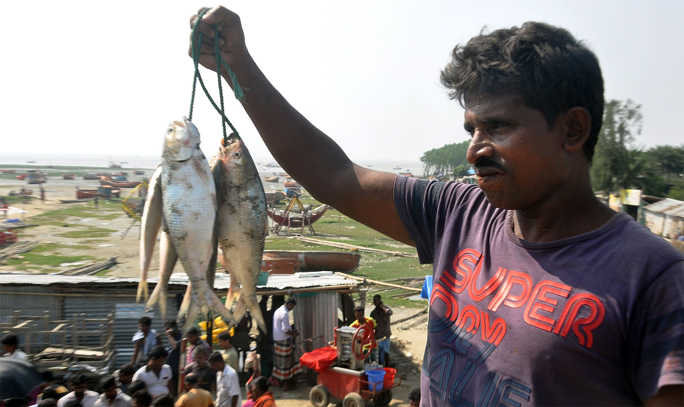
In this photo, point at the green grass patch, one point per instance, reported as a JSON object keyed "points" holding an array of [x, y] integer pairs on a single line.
{"points": [[56, 247], [14, 200], [33, 259], [89, 232]]}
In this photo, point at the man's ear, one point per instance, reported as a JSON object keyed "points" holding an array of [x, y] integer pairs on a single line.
{"points": [[578, 125]]}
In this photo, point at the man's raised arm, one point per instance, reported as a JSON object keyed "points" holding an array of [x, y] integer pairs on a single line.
{"points": [[326, 171]]}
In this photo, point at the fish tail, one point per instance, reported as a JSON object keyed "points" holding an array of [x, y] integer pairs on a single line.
{"points": [[185, 304], [250, 303]]}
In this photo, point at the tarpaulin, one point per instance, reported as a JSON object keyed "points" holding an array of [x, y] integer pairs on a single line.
{"points": [[319, 359]]}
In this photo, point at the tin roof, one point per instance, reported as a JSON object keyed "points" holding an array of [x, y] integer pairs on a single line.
{"points": [[667, 206], [222, 281]]}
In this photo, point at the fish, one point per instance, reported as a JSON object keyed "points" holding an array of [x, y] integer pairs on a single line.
{"points": [[150, 223], [189, 213], [167, 262], [243, 224]]}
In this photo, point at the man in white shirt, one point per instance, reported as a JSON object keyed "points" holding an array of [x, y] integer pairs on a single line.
{"points": [[227, 383], [145, 340], [111, 395], [285, 365], [79, 392], [10, 343], [156, 375]]}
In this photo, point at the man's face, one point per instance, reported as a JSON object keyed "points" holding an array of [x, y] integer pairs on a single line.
{"points": [[157, 363], [192, 338], [9, 348], [377, 301], [111, 392], [224, 344], [414, 403], [79, 389], [201, 359], [520, 163], [289, 307], [217, 366], [358, 315], [144, 328], [125, 378]]}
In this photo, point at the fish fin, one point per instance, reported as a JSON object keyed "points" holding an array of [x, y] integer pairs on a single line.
{"points": [[207, 300], [149, 228], [143, 290], [185, 304], [167, 260], [254, 311]]}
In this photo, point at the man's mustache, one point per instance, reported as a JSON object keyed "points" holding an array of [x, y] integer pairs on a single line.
{"points": [[487, 162]]}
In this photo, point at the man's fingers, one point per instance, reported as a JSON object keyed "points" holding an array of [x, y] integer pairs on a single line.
{"points": [[219, 14]]}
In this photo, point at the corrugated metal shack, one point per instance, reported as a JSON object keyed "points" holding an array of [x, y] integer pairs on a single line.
{"points": [[665, 218], [318, 295]]}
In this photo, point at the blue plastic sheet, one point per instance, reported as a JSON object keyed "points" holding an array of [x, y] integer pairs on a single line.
{"points": [[427, 288]]}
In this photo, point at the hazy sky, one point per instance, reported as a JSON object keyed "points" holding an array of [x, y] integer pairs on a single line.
{"points": [[107, 77]]}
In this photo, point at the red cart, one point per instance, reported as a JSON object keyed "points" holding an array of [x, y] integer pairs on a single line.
{"points": [[350, 386]]}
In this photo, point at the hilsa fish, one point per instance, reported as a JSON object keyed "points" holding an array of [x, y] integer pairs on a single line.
{"points": [[188, 206], [243, 224]]}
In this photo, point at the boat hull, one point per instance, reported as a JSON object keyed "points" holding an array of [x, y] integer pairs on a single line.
{"points": [[92, 193], [318, 261], [121, 184]]}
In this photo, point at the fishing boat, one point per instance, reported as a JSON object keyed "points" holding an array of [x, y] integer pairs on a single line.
{"points": [[271, 179], [138, 172], [91, 177], [120, 184], [21, 177], [104, 191], [291, 184], [284, 174], [114, 165], [396, 168], [297, 220], [318, 261], [7, 171], [273, 198], [68, 176], [36, 177]]}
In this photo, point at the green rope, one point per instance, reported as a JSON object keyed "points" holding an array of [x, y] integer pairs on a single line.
{"points": [[237, 89]]}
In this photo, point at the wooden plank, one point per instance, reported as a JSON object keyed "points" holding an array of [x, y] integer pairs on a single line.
{"points": [[380, 282]]}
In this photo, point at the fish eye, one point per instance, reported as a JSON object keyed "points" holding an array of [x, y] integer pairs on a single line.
{"points": [[169, 130], [236, 155]]}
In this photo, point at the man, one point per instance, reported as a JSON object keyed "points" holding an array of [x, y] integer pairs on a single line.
{"points": [[381, 314], [195, 397], [227, 383], [193, 339], [285, 364], [204, 372], [542, 295], [48, 380], [142, 398], [125, 378], [10, 344], [145, 339], [156, 374], [230, 355], [79, 393], [173, 336], [414, 398], [111, 394], [370, 324]]}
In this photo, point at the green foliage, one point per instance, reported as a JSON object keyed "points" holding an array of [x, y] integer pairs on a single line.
{"points": [[446, 160], [619, 164]]}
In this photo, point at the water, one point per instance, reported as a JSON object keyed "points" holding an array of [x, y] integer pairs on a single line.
{"points": [[150, 162]]}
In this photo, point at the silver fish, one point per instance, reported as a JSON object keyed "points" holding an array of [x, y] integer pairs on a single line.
{"points": [[150, 223], [243, 224], [189, 206], [167, 262]]}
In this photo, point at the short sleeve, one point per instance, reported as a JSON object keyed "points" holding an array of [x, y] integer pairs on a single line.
{"points": [[656, 340]]}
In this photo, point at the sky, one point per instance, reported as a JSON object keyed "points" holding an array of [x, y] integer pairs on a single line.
{"points": [[84, 77]]}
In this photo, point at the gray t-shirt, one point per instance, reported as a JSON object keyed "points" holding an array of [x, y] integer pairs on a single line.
{"points": [[596, 319]]}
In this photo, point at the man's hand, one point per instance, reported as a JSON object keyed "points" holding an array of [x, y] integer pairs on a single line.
{"points": [[231, 37]]}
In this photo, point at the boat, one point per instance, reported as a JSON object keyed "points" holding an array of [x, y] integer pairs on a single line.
{"points": [[104, 191], [21, 177], [291, 184], [407, 174], [396, 168], [280, 266], [114, 165], [273, 198], [297, 220], [318, 261], [271, 179], [36, 177], [284, 174], [69, 176], [91, 177], [120, 184], [138, 172], [123, 162], [7, 171], [31, 162]]}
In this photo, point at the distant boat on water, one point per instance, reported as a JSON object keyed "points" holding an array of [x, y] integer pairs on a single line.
{"points": [[396, 168], [31, 162], [112, 164]]}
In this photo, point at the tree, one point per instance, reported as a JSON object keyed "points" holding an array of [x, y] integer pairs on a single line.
{"points": [[614, 165], [446, 159]]}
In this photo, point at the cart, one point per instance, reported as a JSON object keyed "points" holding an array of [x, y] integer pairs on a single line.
{"points": [[350, 385]]}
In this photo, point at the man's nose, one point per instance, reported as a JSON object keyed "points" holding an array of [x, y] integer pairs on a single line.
{"points": [[479, 147]]}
